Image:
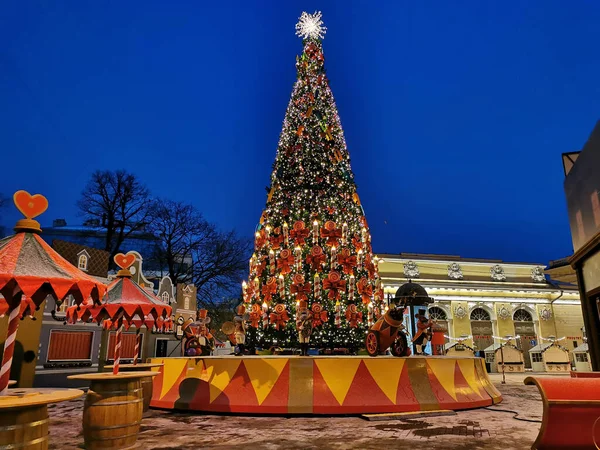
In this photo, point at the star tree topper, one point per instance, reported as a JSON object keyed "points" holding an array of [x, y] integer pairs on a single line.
{"points": [[311, 26]]}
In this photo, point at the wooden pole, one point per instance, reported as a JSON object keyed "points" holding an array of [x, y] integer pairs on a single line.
{"points": [[137, 346], [118, 347]]}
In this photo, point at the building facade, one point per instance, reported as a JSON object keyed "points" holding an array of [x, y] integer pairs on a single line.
{"points": [[488, 299]]}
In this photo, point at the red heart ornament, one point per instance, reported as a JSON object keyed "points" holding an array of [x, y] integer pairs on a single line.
{"points": [[124, 261], [30, 205]]}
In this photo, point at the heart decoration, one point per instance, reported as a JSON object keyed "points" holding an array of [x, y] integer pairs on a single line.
{"points": [[30, 205], [124, 261]]}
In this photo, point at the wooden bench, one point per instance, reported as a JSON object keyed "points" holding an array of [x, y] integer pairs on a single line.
{"points": [[571, 413]]}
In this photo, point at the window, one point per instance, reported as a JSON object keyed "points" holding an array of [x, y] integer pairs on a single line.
{"points": [[165, 297], [186, 302], [536, 357], [581, 357], [436, 313], [480, 314], [522, 315], [83, 262], [489, 357]]}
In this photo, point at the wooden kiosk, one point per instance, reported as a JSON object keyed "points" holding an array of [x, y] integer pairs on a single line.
{"points": [[511, 355], [549, 357], [582, 358]]}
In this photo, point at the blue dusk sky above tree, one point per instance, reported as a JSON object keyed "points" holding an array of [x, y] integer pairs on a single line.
{"points": [[455, 113]]}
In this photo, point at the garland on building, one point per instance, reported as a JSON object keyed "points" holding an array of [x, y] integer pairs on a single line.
{"points": [[313, 241]]}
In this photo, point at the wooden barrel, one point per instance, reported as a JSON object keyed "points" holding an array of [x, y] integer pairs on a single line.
{"points": [[25, 428], [147, 392], [112, 413], [146, 381]]}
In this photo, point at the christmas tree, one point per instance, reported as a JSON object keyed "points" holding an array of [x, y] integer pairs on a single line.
{"points": [[313, 241]]}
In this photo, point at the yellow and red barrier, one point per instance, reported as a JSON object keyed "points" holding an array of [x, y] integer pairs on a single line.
{"points": [[571, 417], [321, 385]]}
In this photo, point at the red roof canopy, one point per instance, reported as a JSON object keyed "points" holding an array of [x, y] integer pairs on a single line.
{"points": [[127, 300], [28, 265]]}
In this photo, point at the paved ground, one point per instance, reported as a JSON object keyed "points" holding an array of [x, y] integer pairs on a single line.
{"points": [[475, 429]]}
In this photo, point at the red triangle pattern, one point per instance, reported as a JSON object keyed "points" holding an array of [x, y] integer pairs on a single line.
{"points": [[324, 402], [239, 388], [365, 396], [465, 395], [277, 400], [200, 400]]}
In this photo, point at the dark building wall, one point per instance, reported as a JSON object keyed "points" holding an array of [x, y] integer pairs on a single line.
{"points": [[582, 186]]}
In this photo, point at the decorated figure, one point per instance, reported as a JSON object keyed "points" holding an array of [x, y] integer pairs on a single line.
{"points": [[198, 340], [423, 334], [240, 329], [304, 325], [388, 332]]}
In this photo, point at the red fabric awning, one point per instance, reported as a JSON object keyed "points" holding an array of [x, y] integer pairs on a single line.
{"points": [[126, 299], [30, 270]]}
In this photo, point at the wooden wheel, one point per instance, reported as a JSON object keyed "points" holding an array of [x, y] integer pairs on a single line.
{"points": [[400, 345], [372, 344]]}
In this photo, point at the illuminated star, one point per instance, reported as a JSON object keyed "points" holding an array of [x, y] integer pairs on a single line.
{"points": [[311, 26]]}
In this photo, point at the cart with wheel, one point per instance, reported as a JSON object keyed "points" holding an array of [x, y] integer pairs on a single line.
{"points": [[388, 332]]}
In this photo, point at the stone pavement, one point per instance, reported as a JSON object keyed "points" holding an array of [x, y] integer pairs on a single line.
{"points": [[474, 429]]}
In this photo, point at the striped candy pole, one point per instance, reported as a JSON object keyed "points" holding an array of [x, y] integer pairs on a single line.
{"points": [[118, 346], [136, 349], [9, 347]]}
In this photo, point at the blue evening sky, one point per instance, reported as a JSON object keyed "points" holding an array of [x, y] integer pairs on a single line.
{"points": [[456, 113]]}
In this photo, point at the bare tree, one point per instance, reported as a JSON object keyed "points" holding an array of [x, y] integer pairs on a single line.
{"points": [[192, 250], [119, 202]]}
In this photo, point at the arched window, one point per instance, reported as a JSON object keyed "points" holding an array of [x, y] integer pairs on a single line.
{"points": [[436, 313], [522, 315], [165, 297], [480, 314], [82, 262]]}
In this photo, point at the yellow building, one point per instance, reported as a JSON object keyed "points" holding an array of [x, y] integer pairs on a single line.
{"points": [[484, 298]]}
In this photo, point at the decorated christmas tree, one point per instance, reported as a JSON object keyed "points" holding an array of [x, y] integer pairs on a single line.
{"points": [[312, 243]]}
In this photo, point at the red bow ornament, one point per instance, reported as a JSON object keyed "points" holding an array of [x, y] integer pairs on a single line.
{"points": [[347, 261], [300, 288], [279, 317], [276, 240], [299, 233], [316, 258], [353, 316], [285, 261], [357, 243], [335, 285], [268, 289], [319, 315], [331, 233], [365, 290]]}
